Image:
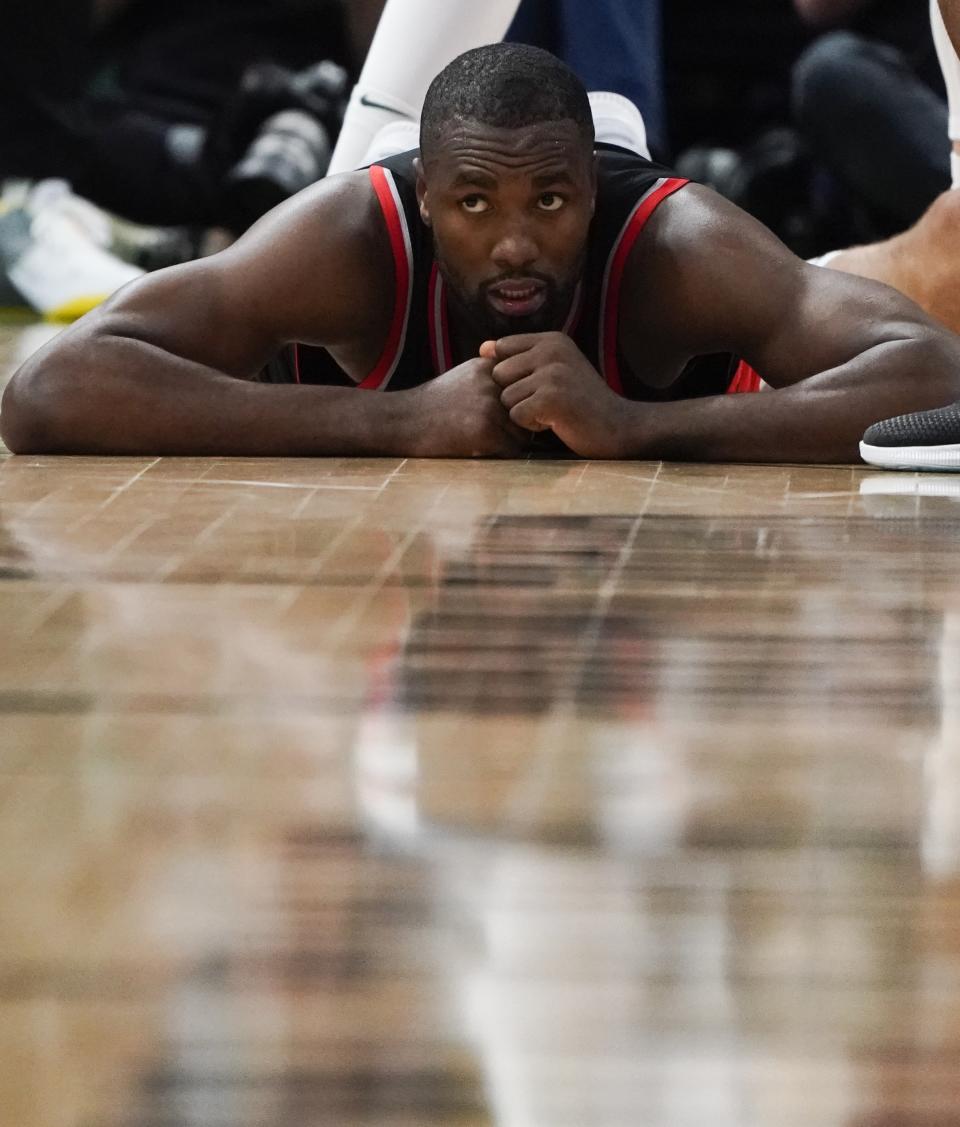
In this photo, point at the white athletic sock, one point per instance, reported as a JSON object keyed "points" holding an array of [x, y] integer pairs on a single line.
{"points": [[415, 40], [950, 65], [824, 259], [397, 137], [617, 121]]}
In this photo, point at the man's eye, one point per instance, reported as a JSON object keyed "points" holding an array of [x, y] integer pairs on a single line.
{"points": [[550, 201], [474, 204]]}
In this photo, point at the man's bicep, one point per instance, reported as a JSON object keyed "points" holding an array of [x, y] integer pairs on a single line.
{"points": [[729, 285], [708, 278], [837, 317], [790, 320], [313, 269], [195, 312]]}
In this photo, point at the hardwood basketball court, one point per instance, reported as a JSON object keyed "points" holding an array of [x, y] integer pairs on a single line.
{"points": [[422, 794]]}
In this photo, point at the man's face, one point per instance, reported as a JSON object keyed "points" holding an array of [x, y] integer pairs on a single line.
{"points": [[510, 210]]}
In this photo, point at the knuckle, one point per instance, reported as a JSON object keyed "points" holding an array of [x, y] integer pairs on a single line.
{"points": [[553, 379]]}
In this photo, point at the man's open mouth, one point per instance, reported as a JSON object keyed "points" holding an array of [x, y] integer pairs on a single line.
{"points": [[519, 298]]}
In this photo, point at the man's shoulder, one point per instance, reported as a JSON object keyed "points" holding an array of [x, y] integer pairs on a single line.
{"points": [[698, 222], [336, 225], [344, 205], [319, 262]]}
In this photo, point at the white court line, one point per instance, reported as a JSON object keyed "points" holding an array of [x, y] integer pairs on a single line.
{"points": [[282, 484]]}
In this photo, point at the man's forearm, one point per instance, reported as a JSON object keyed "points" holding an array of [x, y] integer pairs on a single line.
{"points": [[126, 397], [818, 420]]}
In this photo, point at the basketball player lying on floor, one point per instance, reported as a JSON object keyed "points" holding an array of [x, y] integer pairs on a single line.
{"points": [[503, 282]]}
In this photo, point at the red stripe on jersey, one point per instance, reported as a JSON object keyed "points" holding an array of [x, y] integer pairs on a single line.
{"points": [[445, 329], [432, 298], [401, 265], [576, 312], [611, 311], [439, 323], [745, 379]]}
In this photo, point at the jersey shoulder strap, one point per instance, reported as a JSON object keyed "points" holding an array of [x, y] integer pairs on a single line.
{"points": [[629, 190], [408, 355]]}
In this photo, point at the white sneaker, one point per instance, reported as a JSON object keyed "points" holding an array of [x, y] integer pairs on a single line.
{"points": [[55, 250]]}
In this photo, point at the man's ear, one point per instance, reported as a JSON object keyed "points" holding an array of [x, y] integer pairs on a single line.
{"points": [[421, 190], [594, 176]]}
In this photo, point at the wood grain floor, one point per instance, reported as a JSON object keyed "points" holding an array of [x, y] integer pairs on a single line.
{"points": [[442, 794]]}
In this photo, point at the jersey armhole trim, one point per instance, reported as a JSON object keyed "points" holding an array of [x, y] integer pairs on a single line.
{"points": [[439, 327], [390, 205], [745, 379], [613, 277]]}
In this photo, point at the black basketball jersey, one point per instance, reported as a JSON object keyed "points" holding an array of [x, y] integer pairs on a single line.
{"points": [[629, 189]]}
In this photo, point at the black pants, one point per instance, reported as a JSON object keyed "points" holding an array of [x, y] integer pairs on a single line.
{"points": [[96, 107], [878, 126]]}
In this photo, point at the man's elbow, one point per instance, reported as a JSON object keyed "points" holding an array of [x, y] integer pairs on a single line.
{"points": [[940, 349], [21, 428], [917, 368], [29, 415]]}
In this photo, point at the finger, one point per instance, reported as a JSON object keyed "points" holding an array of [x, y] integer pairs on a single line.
{"points": [[488, 350], [516, 368], [516, 433], [515, 393], [513, 346], [526, 414]]}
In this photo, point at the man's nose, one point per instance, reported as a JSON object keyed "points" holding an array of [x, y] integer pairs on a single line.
{"points": [[515, 247]]}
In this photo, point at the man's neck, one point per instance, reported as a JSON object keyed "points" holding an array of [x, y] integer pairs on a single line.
{"points": [[465, 339]]}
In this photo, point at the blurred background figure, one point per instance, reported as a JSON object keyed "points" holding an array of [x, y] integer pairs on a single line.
{"points": [[809, 113], [149, 109], [201, 114], [187, 115], [869, 101], [613, 45], [923, 261], [729, 121], [825, 119]]}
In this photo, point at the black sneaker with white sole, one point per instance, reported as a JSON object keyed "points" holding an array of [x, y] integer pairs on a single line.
{"points": [[923, 440]]}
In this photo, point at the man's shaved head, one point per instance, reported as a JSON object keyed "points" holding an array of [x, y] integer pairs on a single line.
{"points": [[507, 86]]}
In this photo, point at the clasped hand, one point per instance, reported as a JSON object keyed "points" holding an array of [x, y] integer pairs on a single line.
{"points": [[488, 406], [546, 383]]}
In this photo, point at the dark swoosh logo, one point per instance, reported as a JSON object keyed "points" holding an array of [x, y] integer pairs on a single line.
{"points": [[365, 101]]}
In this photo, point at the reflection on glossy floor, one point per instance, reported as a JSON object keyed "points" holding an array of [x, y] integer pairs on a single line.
{"points": [[439, 794]]}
